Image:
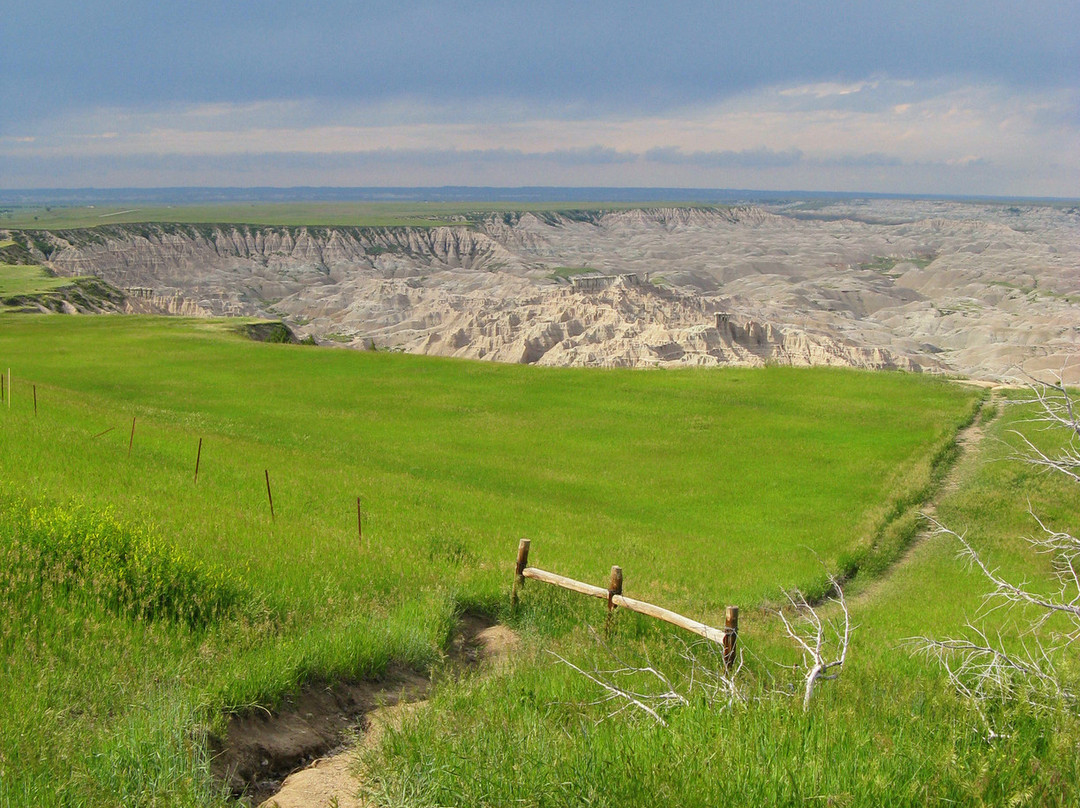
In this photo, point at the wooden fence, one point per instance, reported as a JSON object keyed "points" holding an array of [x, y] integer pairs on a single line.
{"points": [[726, 636]]}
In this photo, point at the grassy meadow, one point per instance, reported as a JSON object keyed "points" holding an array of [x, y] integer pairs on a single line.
{"points": [[889, 732], [139, 608], [25, 280], [296, 214]]}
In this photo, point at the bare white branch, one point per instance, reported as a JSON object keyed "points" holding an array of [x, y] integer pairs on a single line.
{"points": [[824, 645], [648, 689], [1007, 591], [823, 656], [1057, 410], [981, 667], [617, 692]]}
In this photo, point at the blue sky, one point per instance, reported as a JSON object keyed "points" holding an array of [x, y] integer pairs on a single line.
{"points": [[912, 97]]}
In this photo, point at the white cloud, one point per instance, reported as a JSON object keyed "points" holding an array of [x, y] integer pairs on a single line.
{"points": [[810, 136], [826, 89]]}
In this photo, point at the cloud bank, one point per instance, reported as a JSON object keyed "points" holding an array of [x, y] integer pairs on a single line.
{"points": [[923, 98]]}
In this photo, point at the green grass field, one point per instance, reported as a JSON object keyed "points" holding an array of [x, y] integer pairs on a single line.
{"points": [[566, 273], [138, 608], [889, 732], [325, 214], [27, 280]]}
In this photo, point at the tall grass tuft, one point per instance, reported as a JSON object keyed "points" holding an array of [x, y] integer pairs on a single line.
{"points": [[125, 568]]}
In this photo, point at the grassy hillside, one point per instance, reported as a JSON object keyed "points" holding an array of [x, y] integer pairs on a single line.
{"points": [[24, 280], [138, 604], [891, 731], [356, 214], [656, 470]]}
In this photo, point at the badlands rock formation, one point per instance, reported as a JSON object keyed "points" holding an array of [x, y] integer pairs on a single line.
{"points": [[987, 291]]}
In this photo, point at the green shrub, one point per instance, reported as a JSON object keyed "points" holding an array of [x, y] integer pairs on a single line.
{"points": [[124, 568]]}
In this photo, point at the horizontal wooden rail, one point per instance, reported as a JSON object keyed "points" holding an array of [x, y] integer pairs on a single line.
{"points": [[564, 582], [726, 636], [708, 632]]}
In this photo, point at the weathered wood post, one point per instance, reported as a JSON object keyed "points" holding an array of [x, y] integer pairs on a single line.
{"points": [[519, 569], [198, 457], [131, 440], [614, 588], [269, 496], [731, 635]]}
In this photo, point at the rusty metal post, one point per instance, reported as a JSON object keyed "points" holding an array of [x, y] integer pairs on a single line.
{"points": [[269, 496]]}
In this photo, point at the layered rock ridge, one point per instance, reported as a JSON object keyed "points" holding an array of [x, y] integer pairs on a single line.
{"points": [[981, 290]]}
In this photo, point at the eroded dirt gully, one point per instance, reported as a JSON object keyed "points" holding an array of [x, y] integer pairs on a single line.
{"points": [[968, 441], [299, 757]]}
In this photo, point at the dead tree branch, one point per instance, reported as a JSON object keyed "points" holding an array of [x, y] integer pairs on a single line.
{"points": [[647, 689], [1057, 410], [980, 666], [632, 698], [824, 643]]}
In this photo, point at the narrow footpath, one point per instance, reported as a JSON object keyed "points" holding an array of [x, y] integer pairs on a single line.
{"points": [[332, 780], [967, 444]]}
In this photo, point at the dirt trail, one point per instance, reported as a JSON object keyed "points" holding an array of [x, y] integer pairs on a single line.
{"points": [[282, 759], [967, 442]]}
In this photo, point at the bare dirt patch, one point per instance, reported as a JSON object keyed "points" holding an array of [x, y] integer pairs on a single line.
{"points": [[281, 757], [480, 640], [260, 749]]}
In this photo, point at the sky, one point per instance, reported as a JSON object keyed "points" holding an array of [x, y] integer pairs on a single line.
{"points": [[967, 98]]}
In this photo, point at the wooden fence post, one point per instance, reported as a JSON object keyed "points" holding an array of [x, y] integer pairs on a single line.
{"points": [[198, 457], [726, 638], [731, 635], [614, 588], [519, 569], [269, 496]]}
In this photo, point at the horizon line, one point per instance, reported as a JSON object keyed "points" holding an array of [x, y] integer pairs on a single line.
{"points": [[483, 193]]}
